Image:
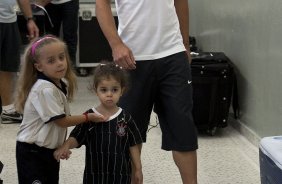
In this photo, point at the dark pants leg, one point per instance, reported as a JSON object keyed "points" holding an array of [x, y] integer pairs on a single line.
{"points": [[70, 25], [66, 16], [36, 164], [55, 14]]}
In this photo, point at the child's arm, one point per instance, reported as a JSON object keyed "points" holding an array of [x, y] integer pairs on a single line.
{"points": [[78, 119], [63, 152], [137, 175]]}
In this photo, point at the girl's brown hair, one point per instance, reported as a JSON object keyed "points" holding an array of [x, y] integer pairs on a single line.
{"points": [[28, 73], [107, 70]]}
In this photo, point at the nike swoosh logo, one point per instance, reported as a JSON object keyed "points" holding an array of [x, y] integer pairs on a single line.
{"points": [[189, 82]]}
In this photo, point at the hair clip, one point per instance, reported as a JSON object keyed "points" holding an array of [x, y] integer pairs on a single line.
{"points": [[120, 67]]}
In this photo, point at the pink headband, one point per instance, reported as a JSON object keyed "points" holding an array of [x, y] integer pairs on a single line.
{"points": [[35, 44]]}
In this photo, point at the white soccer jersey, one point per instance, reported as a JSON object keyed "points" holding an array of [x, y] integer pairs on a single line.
{"points": [[45, 103], [150, 28]]}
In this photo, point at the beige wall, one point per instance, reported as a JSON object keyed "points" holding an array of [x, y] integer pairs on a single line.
{"points": [[249, 32]]}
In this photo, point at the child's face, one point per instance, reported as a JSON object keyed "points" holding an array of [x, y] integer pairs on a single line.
{"points": [[109, 91], [52, 61]]}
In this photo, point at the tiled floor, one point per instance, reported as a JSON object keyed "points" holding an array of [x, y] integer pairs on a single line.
{"points": [[226, 158]]}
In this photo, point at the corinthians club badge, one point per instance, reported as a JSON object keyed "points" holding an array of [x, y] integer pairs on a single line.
{"points": [[121, 129]]}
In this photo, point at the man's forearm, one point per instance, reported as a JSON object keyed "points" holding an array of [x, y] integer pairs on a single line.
{"points": [[107, 22], [25, 8]]}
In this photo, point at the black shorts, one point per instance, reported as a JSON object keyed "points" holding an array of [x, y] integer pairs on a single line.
{"points": [[36, 164], [10, 43], [165, 85]]}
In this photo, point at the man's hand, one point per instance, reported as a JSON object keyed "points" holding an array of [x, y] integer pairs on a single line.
{"points": [[33, 31], [123, 56], [25, 7], [189, 56]]}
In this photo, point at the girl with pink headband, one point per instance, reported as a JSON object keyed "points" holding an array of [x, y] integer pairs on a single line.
{"points": [[46, 85]]}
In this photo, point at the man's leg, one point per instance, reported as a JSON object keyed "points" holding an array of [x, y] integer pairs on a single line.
{"points": [[10, 60], [174, 109], [70, 25], [187, 165], [9, 114], [6, 87], [70, 11], [55, 14], [140, 108]]}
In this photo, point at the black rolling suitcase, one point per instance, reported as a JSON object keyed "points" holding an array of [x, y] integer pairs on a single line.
{"points": [[214, 84], [192, 44], [93, 46]]}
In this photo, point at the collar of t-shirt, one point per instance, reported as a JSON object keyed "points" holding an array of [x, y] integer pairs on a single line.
{"points": [[44, 77]]}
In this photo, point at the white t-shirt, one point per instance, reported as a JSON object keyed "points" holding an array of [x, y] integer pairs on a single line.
{"points": [[45, 103], [8, 11], [150, 28]]}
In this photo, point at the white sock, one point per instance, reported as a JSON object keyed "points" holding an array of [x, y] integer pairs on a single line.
{"points": [[9, 109]]}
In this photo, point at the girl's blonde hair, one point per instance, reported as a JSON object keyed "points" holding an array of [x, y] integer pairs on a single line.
{"points": [[28, 73]]}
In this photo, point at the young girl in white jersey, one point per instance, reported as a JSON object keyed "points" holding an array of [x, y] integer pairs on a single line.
{"points": [[45, 86], [111, 146]]}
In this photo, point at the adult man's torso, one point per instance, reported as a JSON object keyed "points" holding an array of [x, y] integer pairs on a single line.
{"points": [[7, 11], [149, 27]]}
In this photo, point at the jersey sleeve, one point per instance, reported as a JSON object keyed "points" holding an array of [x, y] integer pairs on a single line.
{"points": [[133, 132], [81, 132]]}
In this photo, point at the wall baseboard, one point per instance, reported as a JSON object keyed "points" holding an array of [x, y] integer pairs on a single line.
{"points": [[248, 133]]}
